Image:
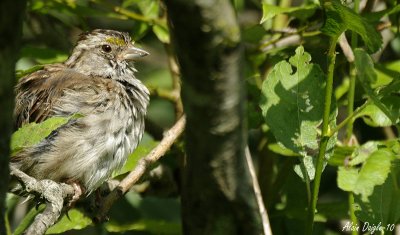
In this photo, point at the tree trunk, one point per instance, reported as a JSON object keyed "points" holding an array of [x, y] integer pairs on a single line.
{"points": [[217, 196], [11, 14]]}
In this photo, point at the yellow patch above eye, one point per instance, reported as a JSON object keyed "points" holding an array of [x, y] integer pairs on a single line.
{"points": [[116, 41]]}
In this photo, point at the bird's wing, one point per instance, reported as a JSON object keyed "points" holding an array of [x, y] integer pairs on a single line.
{"points": [[40, 92]]}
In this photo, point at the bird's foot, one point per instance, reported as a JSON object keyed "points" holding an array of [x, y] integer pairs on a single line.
{"points": [[79, 191]]}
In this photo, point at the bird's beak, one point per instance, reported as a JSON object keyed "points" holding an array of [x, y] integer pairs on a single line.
{"points": [[133, 53]]}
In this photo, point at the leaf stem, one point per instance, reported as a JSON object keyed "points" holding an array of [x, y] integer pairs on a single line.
{"points": [[325, 135], [306, 179], [7, 224], [350, 111], [352, 88], [281, 20], [349, 119], [351, 211], [350, 101]]}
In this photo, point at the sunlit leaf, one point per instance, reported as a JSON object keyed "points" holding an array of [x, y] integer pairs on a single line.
{"points": [[386, 72], [21, 73], [362, 153], [32, 133], [162, 33], [347, 178], [77, 220], [141, 151], [374, 116], [366, 75], [279, 149], [373, 172], [270, 11], [149, 8], [292, 105]]}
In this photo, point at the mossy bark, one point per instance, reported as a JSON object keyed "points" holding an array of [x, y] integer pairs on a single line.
{"points": [[217, 196]]}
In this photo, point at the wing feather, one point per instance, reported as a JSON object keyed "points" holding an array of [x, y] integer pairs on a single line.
{"points": [[40, 92]]}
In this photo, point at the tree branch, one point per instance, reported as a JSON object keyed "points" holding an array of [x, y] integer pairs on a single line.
{"points": [[346, 48], [53, 193], [176, 79], [169, 138], [257, 191]]}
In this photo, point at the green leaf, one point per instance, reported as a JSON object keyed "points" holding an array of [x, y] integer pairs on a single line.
{"points": [[162, 33], [293, 197], [367, 76], [43, 55], [141, 151], [279, 149], [270, 11], [76, 220], [382, 206], [22, 73], [342, 89], [377, 15], [149, 8], [391, 89], [347, 178], [32, 133], [336, 210], [362, 153], [139, 30], [292, 106], [386, 72], [373, 172], [340, 18], [374, 116], [28, 219]]}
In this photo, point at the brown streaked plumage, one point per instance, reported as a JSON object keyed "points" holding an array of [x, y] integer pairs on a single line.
{"points": [[98, 83]]}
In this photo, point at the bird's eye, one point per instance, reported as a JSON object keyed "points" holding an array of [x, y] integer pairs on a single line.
{"points": [[106, 48]]}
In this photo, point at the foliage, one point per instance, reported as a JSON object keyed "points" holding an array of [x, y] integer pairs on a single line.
{"points": [[36, 133], [310, 109]]}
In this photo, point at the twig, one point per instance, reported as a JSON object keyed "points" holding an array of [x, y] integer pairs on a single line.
{"points": [[281, 42], [54, 194], [170, 95], [176, 79], [169, 138], [257, 191], [348, 119], [346, 48]]}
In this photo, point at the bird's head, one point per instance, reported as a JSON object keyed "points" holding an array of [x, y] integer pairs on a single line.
{"points": [[104, 53]]}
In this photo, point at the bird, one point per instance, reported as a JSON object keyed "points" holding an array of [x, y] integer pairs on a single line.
{"points": [[97, 84]]}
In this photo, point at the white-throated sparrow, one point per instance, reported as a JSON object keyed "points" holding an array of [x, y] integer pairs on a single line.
{"points": [[98, 83]]}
